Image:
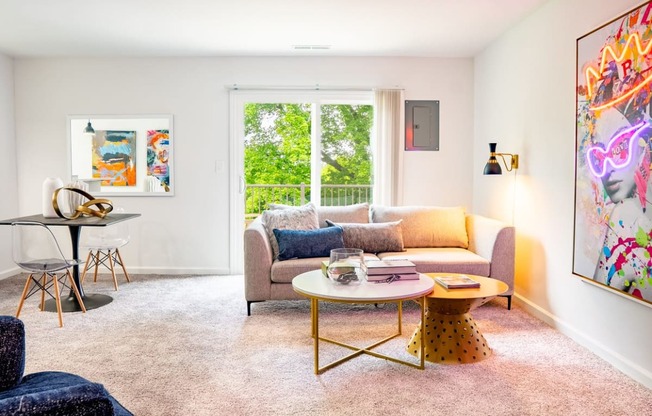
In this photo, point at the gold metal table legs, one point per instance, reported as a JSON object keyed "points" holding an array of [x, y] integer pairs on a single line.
{"points": [[314, 309]]}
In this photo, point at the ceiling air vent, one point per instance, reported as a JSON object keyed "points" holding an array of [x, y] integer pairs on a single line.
{"points": [[311, 47]]}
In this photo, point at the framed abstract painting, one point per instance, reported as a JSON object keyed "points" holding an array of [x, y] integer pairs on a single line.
{"points": [[613, 194], [114, 157], [125, 155]]}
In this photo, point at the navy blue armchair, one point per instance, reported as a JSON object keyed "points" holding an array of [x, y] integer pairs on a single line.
{"points": [[47, 393]]}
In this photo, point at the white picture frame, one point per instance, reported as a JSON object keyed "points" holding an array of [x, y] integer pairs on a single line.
{"points": [[129, 155]]}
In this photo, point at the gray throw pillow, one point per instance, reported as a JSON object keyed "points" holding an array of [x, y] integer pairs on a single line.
{"points": [[372, 237]]}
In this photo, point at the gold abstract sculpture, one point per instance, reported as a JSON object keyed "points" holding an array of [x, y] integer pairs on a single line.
{"points": [[104, 206]]}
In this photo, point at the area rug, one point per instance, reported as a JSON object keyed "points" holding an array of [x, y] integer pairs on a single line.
{"points": [[184, 345]]}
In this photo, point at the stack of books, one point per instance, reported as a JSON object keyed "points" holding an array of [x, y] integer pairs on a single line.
{"points": [[391, 270], [458, 281]]}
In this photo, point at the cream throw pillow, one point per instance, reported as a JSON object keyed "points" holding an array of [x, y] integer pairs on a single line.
{"points": [[289, 218], [426, 226]]}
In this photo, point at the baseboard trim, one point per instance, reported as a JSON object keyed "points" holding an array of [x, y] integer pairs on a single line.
{"points": [[142, 270], [10, 272], [177, 270], [628, 367]]}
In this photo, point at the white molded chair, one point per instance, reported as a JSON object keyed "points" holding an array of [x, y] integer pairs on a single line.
{"points": [[103, 245], [35, 249]]}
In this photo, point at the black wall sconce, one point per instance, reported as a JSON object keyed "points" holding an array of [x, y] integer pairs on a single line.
{"points": [[493, 167]]}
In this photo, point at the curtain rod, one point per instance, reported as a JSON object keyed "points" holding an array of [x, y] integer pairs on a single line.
{"points": [[316, 87]]}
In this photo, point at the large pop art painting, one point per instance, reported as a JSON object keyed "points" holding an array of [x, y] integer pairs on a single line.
{"points": [[613, 194]]}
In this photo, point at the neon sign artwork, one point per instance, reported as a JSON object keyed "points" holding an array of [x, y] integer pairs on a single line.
{"points": [[618, 152], [612, 239], [607, 66]]}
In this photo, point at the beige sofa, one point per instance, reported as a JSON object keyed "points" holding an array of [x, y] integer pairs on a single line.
{"points": [[436, 239]]}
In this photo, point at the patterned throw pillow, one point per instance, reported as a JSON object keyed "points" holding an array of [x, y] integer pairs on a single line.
{"points": [[372, 238], [300, 244], [299, 218]]}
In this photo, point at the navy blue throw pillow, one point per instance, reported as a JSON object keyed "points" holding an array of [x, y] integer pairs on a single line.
{"points": [[299, 244]]}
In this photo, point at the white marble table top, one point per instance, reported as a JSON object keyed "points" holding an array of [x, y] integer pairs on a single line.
{"points": [[315, 285]]}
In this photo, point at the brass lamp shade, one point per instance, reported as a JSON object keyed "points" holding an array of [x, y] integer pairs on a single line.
{"points": [[492, 167]]}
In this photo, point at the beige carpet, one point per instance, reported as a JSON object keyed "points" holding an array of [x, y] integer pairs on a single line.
{"points": [[171, 345]]}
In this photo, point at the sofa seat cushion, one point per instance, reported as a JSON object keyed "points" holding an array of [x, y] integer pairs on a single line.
{"points": [[56, 393], [285, 271], [426, 226], [443, 260]]}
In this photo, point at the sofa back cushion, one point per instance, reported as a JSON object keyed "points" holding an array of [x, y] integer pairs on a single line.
{"points": [[356, 213], [426, 226], [290, 218]]}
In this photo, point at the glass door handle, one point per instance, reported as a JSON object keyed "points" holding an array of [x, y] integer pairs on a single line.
{"points": [[242, 185]]}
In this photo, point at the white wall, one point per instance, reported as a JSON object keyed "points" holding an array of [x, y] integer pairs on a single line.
{"points": [[8, 184], [525, 100], [190, 232]]}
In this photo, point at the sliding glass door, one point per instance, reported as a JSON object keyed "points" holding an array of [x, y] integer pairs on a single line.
{"points": [[296, 147]]}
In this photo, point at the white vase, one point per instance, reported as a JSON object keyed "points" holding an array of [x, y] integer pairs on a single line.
{"points": [[75, 199], [49, 186]]}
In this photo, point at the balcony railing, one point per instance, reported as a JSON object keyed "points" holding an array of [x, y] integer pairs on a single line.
{"points": [[258, 197]]}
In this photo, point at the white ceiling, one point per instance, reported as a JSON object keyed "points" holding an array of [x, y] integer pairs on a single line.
{"points": [[148, 28]]}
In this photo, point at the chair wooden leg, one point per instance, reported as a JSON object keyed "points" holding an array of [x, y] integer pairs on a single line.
{"points": [[112, 268], [44, 282], [97, 264], [24, 295], [122, 263], [57, 299], [88, 259], [74, 289]]}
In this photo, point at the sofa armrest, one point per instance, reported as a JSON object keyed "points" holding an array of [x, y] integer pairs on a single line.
{"points": [[495, 241], [12, 352], [258, 262]]}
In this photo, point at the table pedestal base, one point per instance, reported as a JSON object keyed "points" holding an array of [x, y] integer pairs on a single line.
{"points": [[450, 339], [451, 335], [70, 304]]}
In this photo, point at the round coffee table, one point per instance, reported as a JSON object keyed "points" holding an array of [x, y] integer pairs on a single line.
{"points": [[450, 334], [318, 287]]}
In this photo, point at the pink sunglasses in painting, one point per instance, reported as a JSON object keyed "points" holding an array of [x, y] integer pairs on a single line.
{"points": [[618, 153]]}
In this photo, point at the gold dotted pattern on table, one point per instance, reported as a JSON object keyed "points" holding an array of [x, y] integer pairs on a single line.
{"points": [[450, 339]]}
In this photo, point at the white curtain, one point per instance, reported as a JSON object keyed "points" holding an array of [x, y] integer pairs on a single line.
{"points": [[388, 147]]}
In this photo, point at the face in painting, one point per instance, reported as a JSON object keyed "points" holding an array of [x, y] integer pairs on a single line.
{"points": [[616, 154]]}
